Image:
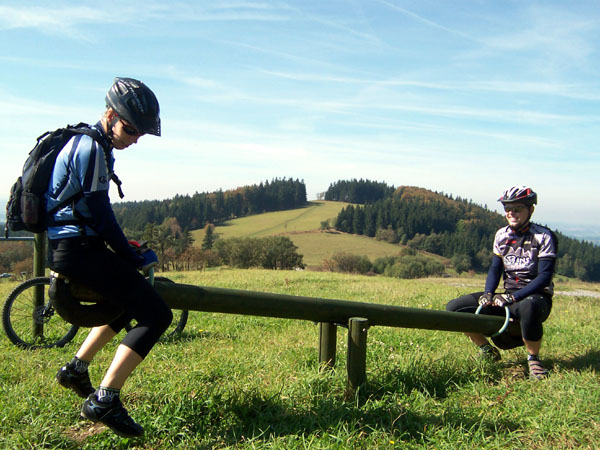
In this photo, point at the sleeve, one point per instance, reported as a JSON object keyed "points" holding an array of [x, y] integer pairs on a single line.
{"points": [[494, 274], [543, 279], [497, 238], [103, 220], [548, 247]]}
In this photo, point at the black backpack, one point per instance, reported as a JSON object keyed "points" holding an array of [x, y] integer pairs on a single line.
{"points": [[26, 207]]}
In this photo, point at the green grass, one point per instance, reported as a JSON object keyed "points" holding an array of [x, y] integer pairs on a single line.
{"points": [[302, 226], [279, 222], [243, 382]]}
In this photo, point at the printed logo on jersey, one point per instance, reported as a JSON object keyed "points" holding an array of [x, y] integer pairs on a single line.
{"points": [[517, 260]]}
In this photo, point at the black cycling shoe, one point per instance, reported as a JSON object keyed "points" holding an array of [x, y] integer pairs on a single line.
{"points": [[488, 352], [112, 414], [78, 382]]}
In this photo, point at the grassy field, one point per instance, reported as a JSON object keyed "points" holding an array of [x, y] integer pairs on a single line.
{"points": [[279, 222], [242, 382], [302, 226]]}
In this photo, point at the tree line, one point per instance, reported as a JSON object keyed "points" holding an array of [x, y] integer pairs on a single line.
{"points": [[453, 228], [197, 210], [358, 191]]}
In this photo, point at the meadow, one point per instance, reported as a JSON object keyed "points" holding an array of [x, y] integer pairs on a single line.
{"points": [[243, 382], [302, 226]]}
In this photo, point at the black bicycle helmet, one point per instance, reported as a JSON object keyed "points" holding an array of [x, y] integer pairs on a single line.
{"points": [[519, 194], [133, 101]]}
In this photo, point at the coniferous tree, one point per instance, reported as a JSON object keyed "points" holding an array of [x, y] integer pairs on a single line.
{"points": [[209, 237]]}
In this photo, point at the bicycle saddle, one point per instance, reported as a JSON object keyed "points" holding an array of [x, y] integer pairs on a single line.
{"points": [[80, 305]]}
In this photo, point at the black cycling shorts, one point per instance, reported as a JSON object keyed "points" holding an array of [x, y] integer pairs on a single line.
{"points": [[531, 311], [91, 263]]}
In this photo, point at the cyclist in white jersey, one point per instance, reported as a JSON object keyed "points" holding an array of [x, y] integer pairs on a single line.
{"points": [[524, 256]]}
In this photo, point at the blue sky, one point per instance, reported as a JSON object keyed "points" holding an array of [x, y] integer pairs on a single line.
{"points": [[461, 97]]}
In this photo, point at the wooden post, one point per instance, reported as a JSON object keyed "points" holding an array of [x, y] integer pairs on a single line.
{"points": [[327, 345], [357, 353], [39, 256]]}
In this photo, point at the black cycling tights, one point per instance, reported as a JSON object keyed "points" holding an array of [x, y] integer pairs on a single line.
{"points": [[531, 311], [94, 265]]}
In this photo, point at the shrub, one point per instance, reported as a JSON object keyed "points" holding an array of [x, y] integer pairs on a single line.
{"points": [[273, 252], [462, 263], [279, 252], [387, 235], [416, 266], [347, 262]]}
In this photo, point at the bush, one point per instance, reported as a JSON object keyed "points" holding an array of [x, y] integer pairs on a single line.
{"points": [[273, 252], [462, 263], [279, 252], [348, 263], [387, 235], [381, 263], [417, 266]]}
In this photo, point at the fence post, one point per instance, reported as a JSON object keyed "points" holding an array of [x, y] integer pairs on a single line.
{"points": [[39, 254], [39, 243], [327, 344], [357, 353]]}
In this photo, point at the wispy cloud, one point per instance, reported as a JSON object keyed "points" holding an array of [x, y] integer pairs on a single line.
{"points": [[55, 20], [425, 21]]}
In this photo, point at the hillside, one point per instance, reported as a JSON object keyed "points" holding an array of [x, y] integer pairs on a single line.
{"points": [[302, 226]]}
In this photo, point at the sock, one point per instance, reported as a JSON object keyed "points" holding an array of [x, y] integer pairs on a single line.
{"points": [[107, 394], [533, 357], [79, 365]]}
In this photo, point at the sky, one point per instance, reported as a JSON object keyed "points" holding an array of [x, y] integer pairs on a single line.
{"points": [[461, 97]]}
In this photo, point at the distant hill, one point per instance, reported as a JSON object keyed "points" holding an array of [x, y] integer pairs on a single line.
{"points": [[303, 227]]}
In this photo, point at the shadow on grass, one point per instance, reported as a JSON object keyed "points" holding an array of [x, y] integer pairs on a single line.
{"points": [[590, 360], [234, 418], [255, 418]]}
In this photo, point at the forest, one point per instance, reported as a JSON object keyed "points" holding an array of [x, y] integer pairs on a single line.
{"points": [[196, 211], [437, 223]]}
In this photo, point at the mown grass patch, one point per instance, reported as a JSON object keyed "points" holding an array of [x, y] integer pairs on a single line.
{"points": [[290, 221]]}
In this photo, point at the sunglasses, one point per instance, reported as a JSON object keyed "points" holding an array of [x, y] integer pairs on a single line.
{"points": [[128, 129], [514, 209]]}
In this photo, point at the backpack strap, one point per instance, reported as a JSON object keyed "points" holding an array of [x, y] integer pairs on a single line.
{"points": [[81, 129], [95, 135]]}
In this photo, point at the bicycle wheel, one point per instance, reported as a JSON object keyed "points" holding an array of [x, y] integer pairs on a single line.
{"points": [[179, 322], [30, 322]]}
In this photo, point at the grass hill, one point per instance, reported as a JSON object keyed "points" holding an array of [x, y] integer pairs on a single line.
{"points": [[303, 227]]}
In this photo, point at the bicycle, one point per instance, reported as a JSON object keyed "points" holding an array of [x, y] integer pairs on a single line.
{"points": [[30, 321]]}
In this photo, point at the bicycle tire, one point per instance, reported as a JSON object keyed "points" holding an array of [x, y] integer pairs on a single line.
{"points": [[177, 325], [20, 317]]}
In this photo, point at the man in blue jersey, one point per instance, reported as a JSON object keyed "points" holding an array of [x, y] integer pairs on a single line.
{"points": [[80, 234], [524, 255]]}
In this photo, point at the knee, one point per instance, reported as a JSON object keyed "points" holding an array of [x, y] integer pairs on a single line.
{"points": [[453, 305], [165, 317], [466, 303]]}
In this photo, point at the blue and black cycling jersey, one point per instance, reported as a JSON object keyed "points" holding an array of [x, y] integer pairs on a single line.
{"points": [[82, 172]]}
